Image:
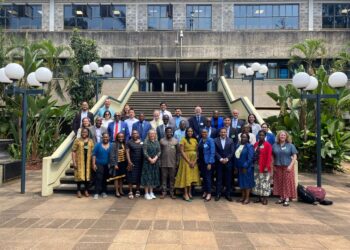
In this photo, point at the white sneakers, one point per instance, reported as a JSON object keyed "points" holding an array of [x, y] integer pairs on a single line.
{"points": [[150, 196], [96, 197], [104, 195]]}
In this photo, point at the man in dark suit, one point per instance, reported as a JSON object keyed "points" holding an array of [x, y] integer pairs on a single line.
{"points": [[212, 132], [237, 123], [161, 128], [197, 121], [224, 153], [116, 127], [84, 112], [142, 126], [230, 132], [217, 121], [97, 131]]}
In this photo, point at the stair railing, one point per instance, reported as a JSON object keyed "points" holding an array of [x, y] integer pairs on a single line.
{"points": [[55, 166]]}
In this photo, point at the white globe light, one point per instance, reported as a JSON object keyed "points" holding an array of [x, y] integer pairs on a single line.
{"points": [[43, 75], [32, 81], [263, 69], [93, 66], [14, 71], [3, 76], [242, 70], [249, 72], [107, 68], [312, 84], [301, 80], [256, 66], [86, 69], [100, 71], [337, 80]]}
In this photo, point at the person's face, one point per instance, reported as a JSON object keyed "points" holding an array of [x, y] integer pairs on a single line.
{"points": [[251, 119], [223, 133], [120, 137], [98, 122], [261, 137], [178, 112], [216, 114], [156, 116], [126, 108], [182, 125], [264, 127], [84, 106], [86, 123], [190, 132], [105, 138], [165, 119], [163, 106], [208, 123], [84, 133], [227, 122], [198, 111], [246, 129], [131, 114], [152, 136], [204, 134], [169, 133], [283, 137], [135, 135], [107, 103], [244, 138], [117, 116], [235, 114], [141, 117], [107, 116]]}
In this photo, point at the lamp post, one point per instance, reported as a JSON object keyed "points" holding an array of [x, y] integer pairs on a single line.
{"points": [[10, 75], [97, 73], [250, 74], [305, 82]]}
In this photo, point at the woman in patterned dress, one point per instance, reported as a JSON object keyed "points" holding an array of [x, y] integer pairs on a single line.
{"points": [[118, 164], [81, 155], [188, 173], [150, 169], [262, 167], [284, 156], [134, 154]]}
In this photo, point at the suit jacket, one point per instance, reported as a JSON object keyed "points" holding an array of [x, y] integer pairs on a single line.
{"points": [[93, 133], [246, 158], [226, 152], [232, 133], [208, 151], [172, 122], [220, 122], [213, 133], [240, 124], [123, 128], [195, 126], [77, 121], [146, 127], [161, 130]]}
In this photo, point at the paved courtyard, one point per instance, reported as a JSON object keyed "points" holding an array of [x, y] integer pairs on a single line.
{"points": [[64, 222]]}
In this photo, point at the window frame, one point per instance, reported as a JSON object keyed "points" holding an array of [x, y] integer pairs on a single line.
{"points": [[11, 21], [168, 16], [335, 15], [198, 17]]}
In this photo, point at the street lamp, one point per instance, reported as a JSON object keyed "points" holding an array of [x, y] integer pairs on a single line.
{"points": [[97, 73], [10, 75], [251, 74], [305, 82]]}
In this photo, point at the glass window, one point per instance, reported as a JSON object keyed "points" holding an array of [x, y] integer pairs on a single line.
{"points": [[198, 17], [160, 17], [266, 16], [122, 69], [336, 15], [95, 17], [20, 16]]}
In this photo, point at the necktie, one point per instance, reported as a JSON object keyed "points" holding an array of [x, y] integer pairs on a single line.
{"points": [[198, 120], [115, 130], [141, 129], [228, 132]]}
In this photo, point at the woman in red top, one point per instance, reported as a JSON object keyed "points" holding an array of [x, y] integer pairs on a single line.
{"points": [[262, 166]]}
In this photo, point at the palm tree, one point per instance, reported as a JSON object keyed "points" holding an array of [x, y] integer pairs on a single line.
{"points": [[307, 52], [342, 61]]}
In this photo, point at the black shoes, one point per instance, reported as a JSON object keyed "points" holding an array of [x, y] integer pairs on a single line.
{"points": [[217, 198], [229, 198]]}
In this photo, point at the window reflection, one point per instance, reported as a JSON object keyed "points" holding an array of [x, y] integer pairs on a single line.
{"points": [[122, 69], [160, 17], [198, 17], [20, 16], [263, 16], [336, 16], [95, 17]]}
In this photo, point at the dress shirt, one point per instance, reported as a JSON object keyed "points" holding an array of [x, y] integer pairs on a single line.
{"points": [[234, 123], [227, 131], [129, 122], [223, 141], [165, 112], [98, 134], [102, 110], [179, 134], [82, 116], [209, 131]]}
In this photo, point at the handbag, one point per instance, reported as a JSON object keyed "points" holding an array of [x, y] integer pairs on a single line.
{"points": [[318, 192], [305, 196]]}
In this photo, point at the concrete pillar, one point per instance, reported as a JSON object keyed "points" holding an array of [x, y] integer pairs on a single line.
{"points": [[52, 16], [311, 15]]}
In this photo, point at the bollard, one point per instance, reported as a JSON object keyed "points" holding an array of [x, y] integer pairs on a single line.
{"points": [[150, 86], [162, 87], [185, 87], [174, 87], [147, 87]]}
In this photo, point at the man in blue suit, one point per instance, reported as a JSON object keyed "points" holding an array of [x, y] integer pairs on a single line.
{"points": [[197, 121], [142, 127], [217, 121], [116, 127], [224, 152]]}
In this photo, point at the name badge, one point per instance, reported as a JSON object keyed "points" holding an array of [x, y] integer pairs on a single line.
{"points": [[238, 126], [172, 146], [205, 145], [233, 136], [141, 143], [123, 128], [283, 148], [262, 146], [201, 124]]}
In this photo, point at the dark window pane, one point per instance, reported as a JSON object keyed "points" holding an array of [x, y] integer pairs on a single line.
{"points": [[95, 23], [327, 9], [252, 23], [118, 70], [237, 11], [291, 22], [340, 22], [284, 73], [68, 11], [153, 23], [328, 22]]}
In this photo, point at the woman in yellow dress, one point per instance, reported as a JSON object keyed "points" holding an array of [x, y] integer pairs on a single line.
{"points": [[188, 173], [81, 154]]}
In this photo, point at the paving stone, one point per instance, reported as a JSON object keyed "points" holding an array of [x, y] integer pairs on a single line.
{"points": [[175, 225], [28, 223], [160, 225], [144, 225], [249, 227], [98, 238], [204, 226], [226, 226], [130, 224], [57, 223], [280, 228], [92, 246], [86, 223], [72, 223], [107, 224], [14, 222]]}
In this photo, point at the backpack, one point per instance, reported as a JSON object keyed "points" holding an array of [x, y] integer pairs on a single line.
{"points": [[318, 192], [305, 196]]}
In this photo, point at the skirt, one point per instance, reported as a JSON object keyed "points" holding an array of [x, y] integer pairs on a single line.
{"points": [[150, 174], [134, 176], [284, 183], [187, 176], [115, 174], [262, 183]]}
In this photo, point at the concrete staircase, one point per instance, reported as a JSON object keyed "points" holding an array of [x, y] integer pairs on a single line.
{"points": [[209, 101]]}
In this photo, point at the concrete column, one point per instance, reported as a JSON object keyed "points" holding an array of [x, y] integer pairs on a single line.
{"points": [[52, 16], [311, 15]]}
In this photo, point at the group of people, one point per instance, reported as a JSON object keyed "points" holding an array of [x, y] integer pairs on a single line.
{"points": [[174, 153]]}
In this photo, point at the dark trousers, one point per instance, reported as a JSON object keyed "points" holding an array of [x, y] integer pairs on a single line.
{"points": [[86, 185], [207, 177], [168, 173], [223, 173], [101, 178]]}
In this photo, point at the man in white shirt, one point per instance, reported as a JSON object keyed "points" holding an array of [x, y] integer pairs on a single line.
{"points": [[131, 120], [163, 111], [97, 130], [177, 118], [106, 107]]}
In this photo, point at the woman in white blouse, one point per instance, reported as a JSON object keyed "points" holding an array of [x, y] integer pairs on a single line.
{"points": [[107, 119], [252, 123], [247, 129]]}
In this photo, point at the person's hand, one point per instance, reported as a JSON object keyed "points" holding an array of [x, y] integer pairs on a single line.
{"points": [[75, 166], [116, 167], [209, 166], [289, 168], [129, 168], [94, 167], [265, 170]]}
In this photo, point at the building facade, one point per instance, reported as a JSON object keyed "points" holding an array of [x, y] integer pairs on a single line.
{"points": [[185, 42]]}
